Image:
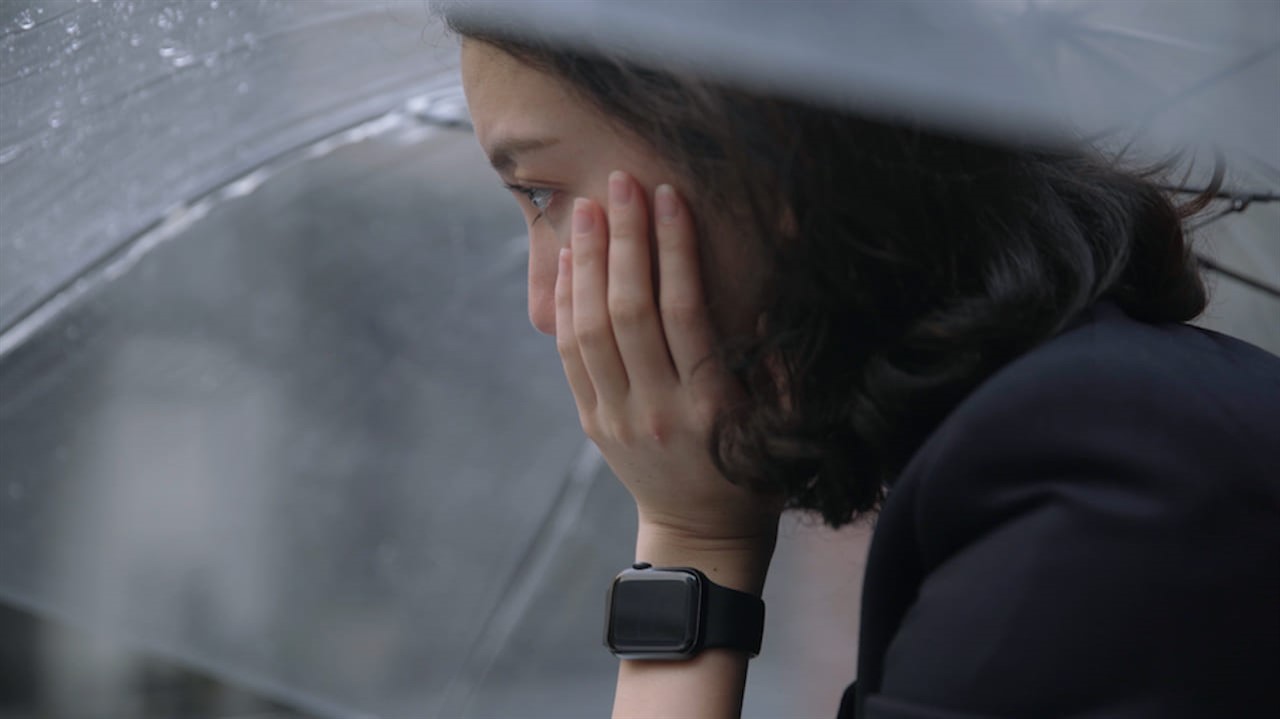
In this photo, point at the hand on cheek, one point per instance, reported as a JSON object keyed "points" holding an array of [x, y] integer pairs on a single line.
{"points": [[635, 363]]}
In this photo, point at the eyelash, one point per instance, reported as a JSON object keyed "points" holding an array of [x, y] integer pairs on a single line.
{"points": [[539, 197]]}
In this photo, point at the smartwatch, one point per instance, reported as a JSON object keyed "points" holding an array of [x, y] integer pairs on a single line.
{"points": [[676, 612]]}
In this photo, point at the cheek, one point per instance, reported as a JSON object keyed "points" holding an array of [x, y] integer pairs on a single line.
{"points": [[735, 289]]}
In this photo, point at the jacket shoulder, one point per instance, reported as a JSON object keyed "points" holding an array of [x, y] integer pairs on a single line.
{"points": [[1124, 388], [1100, 515]]}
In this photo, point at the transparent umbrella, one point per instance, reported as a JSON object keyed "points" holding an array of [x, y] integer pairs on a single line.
{"points": [[1177, 73], [269, 403], [1140, 77]]}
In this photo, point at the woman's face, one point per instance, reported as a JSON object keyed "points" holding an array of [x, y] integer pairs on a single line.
{"points": [[541, 137]]}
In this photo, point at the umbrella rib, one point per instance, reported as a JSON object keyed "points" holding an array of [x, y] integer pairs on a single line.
{"points": [[1104, 57], [1235, 68], [1169, 102], [521, 586], [1150, 37], [121, 257], [1214, 266], [1245, 197]]}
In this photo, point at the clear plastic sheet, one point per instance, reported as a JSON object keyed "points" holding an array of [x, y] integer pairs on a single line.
{"points": [[1176, 73], [269, 400], [114, 113]]}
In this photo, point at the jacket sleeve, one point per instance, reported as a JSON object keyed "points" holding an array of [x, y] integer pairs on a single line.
{"points": [[1097, 546]]}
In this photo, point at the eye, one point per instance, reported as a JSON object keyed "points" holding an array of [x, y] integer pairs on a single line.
{"points": [[539, 197]]}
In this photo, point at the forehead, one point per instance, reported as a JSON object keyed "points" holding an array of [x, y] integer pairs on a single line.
{"points": [[507, 97]]}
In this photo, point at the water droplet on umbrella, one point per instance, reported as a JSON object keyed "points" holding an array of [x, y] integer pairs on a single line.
{"points": [[25, 21], [8, 154]]}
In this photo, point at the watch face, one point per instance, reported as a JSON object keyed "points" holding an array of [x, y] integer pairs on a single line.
{"points": [[654, 611]]}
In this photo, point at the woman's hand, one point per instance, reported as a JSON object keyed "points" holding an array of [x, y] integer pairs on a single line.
{"points": [[639, 370]]}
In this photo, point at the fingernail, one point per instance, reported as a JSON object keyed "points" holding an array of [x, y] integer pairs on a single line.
{"points": [[665, 202], [564, 257], [619, 189], [582, 219]]}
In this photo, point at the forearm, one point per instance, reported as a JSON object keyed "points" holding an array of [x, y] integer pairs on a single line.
{"points": [[709, 686], [706, 687]]}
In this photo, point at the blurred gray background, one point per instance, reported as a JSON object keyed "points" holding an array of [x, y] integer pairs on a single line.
{"points": [[274, 427]]}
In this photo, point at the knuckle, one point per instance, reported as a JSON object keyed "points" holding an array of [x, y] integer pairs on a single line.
{"points": [[626, 309], [658, 428], [593, 332], [620, 227], [705, 411], [629, 229], [628, 214], [679, 313], [589, 425], [566, 346], [620, 431]]}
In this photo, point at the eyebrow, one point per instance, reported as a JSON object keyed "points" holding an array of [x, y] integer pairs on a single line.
{"points": [[503, 155]]}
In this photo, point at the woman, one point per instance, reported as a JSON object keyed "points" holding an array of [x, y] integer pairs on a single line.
{"points": [[764, 305]]}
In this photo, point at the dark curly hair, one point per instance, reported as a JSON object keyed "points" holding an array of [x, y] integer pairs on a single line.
{"points": [[912, 264]]}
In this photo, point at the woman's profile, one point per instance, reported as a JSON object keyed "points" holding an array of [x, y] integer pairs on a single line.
{"points": [[763, 305]]}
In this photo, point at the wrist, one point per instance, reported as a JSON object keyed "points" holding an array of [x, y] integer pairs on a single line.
{"points": [[740, 563]]}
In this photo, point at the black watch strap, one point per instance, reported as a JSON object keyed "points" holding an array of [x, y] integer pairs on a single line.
{"points": [[733, 619]]}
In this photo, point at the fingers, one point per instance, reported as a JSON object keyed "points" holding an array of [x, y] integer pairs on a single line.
{"points": [[688, 328], [567, 342], [632, 307], [592, 326], [614, 336]]}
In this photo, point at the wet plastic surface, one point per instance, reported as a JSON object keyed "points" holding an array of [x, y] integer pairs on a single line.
{"points": [[113, 113], [269, 399], [1176, 73]]}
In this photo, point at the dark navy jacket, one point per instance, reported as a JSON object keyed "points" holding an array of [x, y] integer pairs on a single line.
{"points": [[1093, 532]]}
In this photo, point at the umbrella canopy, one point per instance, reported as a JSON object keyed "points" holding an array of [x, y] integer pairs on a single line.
{"points": [[115, 114], [1139, 79], [1176, 74], [269, 401]]}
